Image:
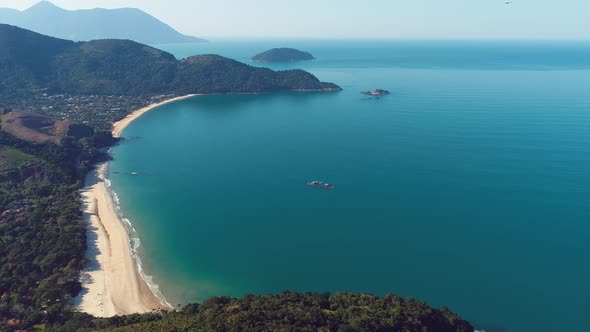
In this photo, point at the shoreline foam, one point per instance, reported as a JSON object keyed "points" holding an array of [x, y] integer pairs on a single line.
{"points": [[114, 283], [134, 244]]}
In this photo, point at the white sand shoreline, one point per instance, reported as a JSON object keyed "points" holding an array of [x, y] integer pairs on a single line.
{"points": [[112, 283], [120, 125]]}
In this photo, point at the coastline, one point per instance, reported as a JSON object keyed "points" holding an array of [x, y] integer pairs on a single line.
{"points": [[112, 283], [120, 125]]}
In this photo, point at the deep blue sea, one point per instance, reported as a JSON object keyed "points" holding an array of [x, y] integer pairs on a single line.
{"points": [[468, 186]]}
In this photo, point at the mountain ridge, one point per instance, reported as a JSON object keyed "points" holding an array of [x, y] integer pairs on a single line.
{"points": [[98, 23]]}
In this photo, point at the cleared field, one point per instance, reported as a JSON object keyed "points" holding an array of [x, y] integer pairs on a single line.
{"points": [[11, 159]]}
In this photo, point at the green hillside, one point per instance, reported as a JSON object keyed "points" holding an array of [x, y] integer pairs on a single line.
{"points": [[13, 159], [289, 311], [30, 61]]}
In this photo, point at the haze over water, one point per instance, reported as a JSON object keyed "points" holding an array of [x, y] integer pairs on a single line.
{"points": [[467, 187]]}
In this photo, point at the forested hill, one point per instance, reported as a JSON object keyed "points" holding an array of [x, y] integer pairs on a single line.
{"points": [[283, 55], [289, 311], [89, 24], [30, 61]]}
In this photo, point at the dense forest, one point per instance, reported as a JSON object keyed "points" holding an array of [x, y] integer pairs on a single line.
{"points": [[289, 311], [42, 235]]}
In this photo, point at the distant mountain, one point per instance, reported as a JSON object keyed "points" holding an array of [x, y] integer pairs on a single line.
{"points": [[283, 55], [30, 61], [83, 25], [8, 14]]}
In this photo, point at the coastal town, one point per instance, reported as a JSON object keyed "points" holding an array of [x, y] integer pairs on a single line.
{"points": [[97, 111]]}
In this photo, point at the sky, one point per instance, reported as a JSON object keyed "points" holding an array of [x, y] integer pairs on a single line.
{"points": [[355, 19]]}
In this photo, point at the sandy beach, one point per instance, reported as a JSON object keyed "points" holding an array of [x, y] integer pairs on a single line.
{"points": [[111, 282], [119, 126]]}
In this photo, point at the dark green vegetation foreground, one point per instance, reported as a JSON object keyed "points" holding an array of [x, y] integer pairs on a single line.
{"points": [[43, 236], [290, 311]]}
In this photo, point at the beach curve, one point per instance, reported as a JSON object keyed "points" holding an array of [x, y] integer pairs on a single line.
{"points": [[119, 126], [112, 283]]}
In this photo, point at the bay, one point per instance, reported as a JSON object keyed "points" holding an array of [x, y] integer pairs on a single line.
{"points": [[467, 187]]}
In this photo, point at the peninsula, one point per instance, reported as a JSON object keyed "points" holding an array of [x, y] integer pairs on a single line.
{"points": [[101, 82], [283, 55]]}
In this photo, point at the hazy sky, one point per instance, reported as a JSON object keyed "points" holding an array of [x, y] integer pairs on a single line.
{"points": [[539, 19]]}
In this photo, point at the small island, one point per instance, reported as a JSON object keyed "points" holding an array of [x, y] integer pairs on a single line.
{"points": [[283, 55], [378, 93]]}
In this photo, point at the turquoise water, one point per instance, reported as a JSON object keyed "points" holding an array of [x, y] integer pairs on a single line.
{"points": [[468, 187]]}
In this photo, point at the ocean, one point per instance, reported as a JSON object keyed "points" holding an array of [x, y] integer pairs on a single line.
{"points": [[467, 187]]}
